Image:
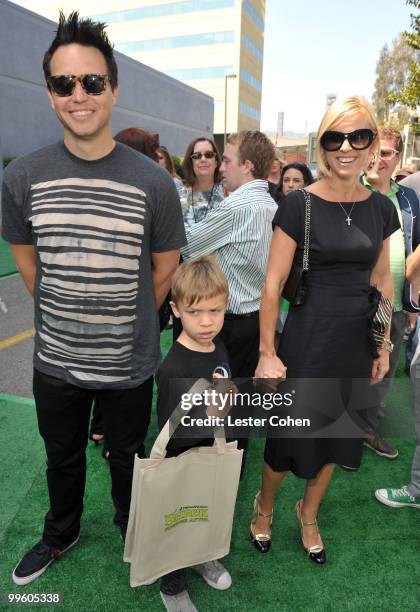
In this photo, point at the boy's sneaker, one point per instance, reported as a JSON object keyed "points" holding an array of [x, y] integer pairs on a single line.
{"points": [[36, 561], [178, 603], [397, 498], [381, 447], [214, 574]]}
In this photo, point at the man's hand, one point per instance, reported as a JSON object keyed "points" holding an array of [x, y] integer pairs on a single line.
{"points": [[164, 265], [25, 259]]}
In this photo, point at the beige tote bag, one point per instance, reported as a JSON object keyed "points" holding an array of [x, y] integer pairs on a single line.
{"points": [[182, 507]]}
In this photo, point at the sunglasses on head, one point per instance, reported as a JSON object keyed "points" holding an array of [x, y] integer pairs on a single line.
{"points": [[206, 154], [359, 139], [64, 84]]}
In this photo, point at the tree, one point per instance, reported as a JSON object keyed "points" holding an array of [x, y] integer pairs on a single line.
{"points": [[409, 94], [382, 83], [392, 72], [397, 85]]}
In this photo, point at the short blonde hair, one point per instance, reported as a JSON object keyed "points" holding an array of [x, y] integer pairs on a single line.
{"points": [[339, 110], [198, 279], [257, 148]]}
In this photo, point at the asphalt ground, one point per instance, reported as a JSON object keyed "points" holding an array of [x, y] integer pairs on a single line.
{"points": [[16, 337]]}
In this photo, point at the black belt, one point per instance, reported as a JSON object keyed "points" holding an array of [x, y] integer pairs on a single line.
{"points": [[230, 316]]}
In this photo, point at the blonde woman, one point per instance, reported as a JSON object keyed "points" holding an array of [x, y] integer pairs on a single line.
{"points": [[326, 336]]}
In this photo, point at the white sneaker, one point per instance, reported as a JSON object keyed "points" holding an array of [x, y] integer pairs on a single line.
{"points": [[214, 574]]}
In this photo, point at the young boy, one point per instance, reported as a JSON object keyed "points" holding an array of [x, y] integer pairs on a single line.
{"points": [[199, 299]]}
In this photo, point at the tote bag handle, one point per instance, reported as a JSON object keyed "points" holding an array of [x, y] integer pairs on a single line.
{"points": [[159, 447]]}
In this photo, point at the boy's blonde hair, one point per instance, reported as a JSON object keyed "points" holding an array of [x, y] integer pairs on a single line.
{"points": [[198, 279], [342, 109]]}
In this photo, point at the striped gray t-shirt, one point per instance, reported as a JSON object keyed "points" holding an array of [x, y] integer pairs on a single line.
{"points": [[94, 225]]}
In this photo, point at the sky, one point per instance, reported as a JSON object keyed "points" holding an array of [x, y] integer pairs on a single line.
{"points": [[316, 47]]}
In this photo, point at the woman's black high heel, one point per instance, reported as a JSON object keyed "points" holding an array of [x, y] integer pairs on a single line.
{"points": [[315, 553], [262, 541]]}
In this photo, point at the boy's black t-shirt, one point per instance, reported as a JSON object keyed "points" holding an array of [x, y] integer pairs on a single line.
{"points": [[176, 375]]}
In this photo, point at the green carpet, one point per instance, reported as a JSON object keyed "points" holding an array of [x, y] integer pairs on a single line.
{"points": [[373, 550], [7, 263]]}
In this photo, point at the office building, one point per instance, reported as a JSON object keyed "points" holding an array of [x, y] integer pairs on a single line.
{"points": [[199, 42], [28, 122]]}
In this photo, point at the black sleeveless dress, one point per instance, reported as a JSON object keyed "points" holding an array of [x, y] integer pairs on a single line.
{"points": [[325, 343]]}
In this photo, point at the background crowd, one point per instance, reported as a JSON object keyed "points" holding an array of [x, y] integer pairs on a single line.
{"points": [[99, 231]]}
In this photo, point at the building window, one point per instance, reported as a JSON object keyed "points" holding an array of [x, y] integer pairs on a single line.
{"points": [[162, 10], [176, 42], [254, 15], [251, 80], [248, 44], [190, 74], [249, 111]]}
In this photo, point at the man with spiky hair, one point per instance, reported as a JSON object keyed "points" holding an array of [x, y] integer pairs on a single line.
{"points": [[95, 229]]}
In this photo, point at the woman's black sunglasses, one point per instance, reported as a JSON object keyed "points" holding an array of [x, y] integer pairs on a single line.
{"points": [[359, 139], [64, 84], [206, 154]]}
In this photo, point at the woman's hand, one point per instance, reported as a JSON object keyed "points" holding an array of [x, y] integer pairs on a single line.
{"points": [[380, 366], [270, 367], [225, 388]]}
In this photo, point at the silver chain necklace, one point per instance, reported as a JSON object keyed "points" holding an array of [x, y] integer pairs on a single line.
{"points": [[348, 218]]}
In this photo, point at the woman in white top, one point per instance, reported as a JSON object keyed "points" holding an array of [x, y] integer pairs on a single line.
{"points": [[201, 189]]}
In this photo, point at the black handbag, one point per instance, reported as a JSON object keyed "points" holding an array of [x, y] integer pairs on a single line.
{"points": [[294, 290]]}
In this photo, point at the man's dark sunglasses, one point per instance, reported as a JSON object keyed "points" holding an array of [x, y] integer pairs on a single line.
{"points": [[206, 154], [64, 84], [359, 139]]}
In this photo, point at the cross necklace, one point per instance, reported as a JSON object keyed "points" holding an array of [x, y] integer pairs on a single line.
{"points": [[348, 218]]}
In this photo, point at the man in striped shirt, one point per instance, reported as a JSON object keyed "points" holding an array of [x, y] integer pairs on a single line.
{"points": [[238, 232], [95, 228]]}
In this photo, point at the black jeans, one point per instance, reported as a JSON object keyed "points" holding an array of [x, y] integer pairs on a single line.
{"points": [[241, 338], [63, 412]]}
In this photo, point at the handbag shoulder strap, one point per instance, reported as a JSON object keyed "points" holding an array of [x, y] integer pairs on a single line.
{"points": [[159, 447], [307, 230]]}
